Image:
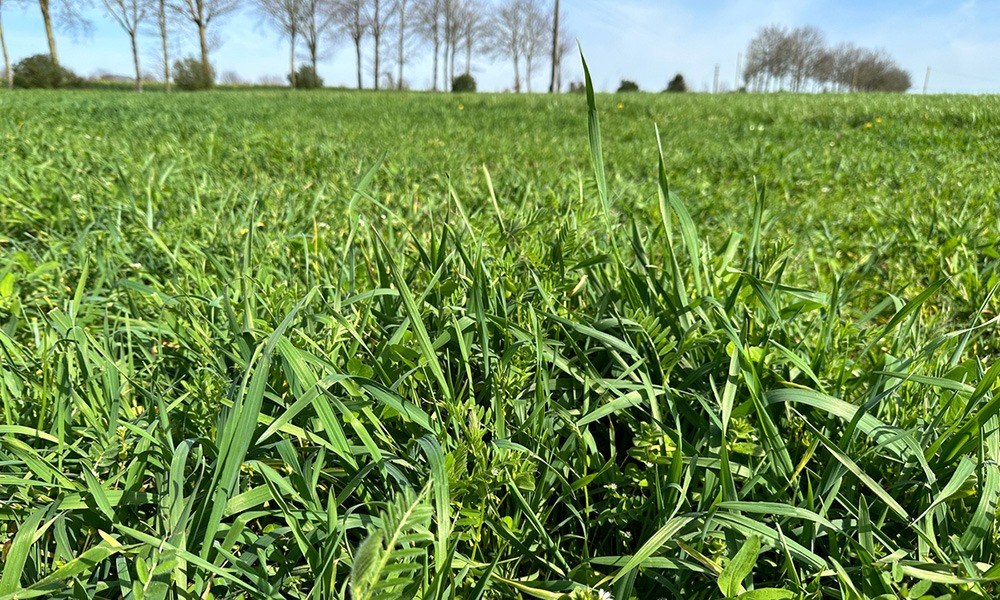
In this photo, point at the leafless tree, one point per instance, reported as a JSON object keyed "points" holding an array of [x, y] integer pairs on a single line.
{"points": [[471, 18], [317, 22], [351, 17], [130, 14], [162, 23], [427, 23], [287, 16], [379, 22], [875, 71], [846, 58], [789, 59], [518, 29], [68, 13], [535, 30], [449, 30], [804, 46], [403, 9], [824, 68], [506, 35], [201, 13], [768, 58]]}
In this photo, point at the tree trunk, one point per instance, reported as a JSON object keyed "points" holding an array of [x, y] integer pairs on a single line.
{"points": [[468, 56], [357, 50], [527, 72], [6, 58], [135, 60], [437, 51], [47, 18], [291, 76], [377, 35], [162, 17], [204, 47], [517, 73], [554, 81], [402, 40], [447, 45], [451, 68]]}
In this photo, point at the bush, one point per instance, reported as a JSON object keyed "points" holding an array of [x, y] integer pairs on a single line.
{"points": [[39, 71], [306, 78], [464, 83], [677, 84], [628, 86], [191, 75]]}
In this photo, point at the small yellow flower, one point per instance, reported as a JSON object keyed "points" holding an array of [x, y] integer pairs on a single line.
{"points": [[878, 119], [621, 105], [244, 231], [461, 107], [868, 125]]}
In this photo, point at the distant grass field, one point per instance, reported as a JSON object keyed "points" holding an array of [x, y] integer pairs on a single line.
{"points": [[360, 345]]}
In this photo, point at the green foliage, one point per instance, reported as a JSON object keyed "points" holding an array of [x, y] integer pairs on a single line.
{"points": [[248, 357], [392, 561], [306, 78], [191, 75], [39, 71], [464, 83], [628, 86], [677, 84]]}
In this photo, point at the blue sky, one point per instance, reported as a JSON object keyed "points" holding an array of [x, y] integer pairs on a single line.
{"points": [[647, 41]]}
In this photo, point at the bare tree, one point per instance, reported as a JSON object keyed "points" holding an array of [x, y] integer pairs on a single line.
{"points": [[67, 12], [379, 22], [287, 17], [846, 57], [317, 21], [427, 22], [201, 13], [130, 14], [469, 27], [535, 29], [789, 59], [403, 8], [766, 59], [506, 35], [804, 46], [351, 17], [162, 22], [875, 71]]}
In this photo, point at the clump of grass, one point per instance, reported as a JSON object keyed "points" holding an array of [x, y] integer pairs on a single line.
{"points": [[452, 394]]}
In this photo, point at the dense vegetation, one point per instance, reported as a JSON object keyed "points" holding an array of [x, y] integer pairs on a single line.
{"points": [[275, 345]]}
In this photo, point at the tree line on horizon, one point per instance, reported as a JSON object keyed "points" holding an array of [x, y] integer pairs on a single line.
{"points": [[525, 32], [779, 58]]}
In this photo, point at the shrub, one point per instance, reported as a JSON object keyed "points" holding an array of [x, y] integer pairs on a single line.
{"points": [[190, 74], [677, 84], [464, 83], [40, 71], [628, 86], [306, 78]]}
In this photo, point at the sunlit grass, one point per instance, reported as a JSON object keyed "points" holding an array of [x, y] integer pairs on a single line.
{"points": [[356, 345]]}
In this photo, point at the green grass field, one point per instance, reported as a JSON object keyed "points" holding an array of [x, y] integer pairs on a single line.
{"points": [[369, 346]]}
